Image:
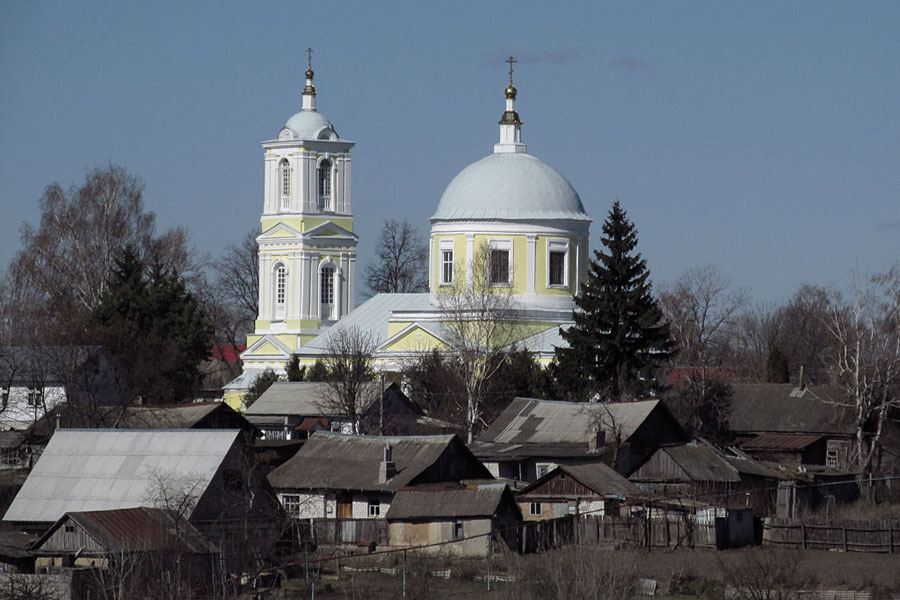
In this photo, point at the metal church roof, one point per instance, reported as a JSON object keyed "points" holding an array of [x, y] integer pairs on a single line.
{"points": [[103, 469]]}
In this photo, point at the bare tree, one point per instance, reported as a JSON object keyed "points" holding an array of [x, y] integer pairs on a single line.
{"points": [[350, 374], [477, 327], [866, 361], [236, 289], [700, 307], [402, 260]]}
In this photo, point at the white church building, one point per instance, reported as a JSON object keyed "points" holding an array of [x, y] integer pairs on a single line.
{"points": [[524, 215]]}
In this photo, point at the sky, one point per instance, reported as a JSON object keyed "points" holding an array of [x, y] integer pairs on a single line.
{"points": [[760, 137]]}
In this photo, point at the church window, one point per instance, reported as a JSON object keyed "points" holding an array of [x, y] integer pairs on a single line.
{"points": [[324, 178], [280, 291], [447, 262], [285, 169], [557, 255], [500, 262], [326, 291]]}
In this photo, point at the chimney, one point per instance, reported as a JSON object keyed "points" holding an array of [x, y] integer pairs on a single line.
{"points": [[800, 384], [597, 441], [387, 468]]}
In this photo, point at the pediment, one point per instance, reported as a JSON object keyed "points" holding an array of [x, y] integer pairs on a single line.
{"points": [[267, 346], [329, 229], [416, 337], [280, 231]]}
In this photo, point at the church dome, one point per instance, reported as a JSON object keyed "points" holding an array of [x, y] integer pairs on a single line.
{"points": [[311, 125], [509, 186]]}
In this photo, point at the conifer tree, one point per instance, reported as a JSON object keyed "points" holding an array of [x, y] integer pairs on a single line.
{"points": [[619, 337]]}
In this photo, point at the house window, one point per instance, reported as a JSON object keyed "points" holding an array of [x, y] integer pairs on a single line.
{"points": [[831, 458], [500, 262], [446, 262], [280, 291], [374, 507], [458, 532], [285, 169], [542, 470], [326, 291], [69, 528], [4, 397], [35, 396], [557, 257], [292, 504], [324, 179], [535, 509]]}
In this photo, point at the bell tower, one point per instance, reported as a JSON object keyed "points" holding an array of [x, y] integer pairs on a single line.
{"points": [[307, 248]]}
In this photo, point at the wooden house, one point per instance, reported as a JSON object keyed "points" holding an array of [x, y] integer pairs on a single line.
{"points": [[532, 437], [460, 521], [356, 476], [590, 488]]}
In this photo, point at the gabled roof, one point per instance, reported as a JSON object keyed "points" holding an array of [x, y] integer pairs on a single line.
{"points": [[781, 441], [103, 469], [531, 421], [139, 529], [598, 477], [783, 408], [701, 463], [351, 462], [482, 501], [305, 398], [544, 342]]}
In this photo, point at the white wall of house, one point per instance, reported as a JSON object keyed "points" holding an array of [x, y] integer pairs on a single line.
{"points": [[307, 505], [24, 407], [361, 505]]}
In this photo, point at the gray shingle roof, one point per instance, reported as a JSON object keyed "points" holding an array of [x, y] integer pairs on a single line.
{"points": [[103, 469], [482, 501], [306, 398], [782, 408], [602, 479], [531, 421], [350, 462]]}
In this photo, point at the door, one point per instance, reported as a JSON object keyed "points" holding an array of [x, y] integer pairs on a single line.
{"points": [[344, 505]]}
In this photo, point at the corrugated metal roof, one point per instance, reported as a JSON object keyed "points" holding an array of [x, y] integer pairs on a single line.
{"points": [[102, 469], [545, 342], [304, 398], [782, 408], [781, 441], [351, 462], [141, 529], [482, 501], [370, 317], [531, 421]]}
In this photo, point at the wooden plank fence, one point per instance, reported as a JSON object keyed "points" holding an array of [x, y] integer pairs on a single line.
{"points": [[880, 535], [342, 531], [538, 536]]}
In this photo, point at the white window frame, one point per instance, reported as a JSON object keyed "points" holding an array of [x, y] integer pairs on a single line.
{"points": [[34, 396], [558, 245], [533, 512], [325, 201], [459, 530], [284, 182], [447, 246], [328, 313], [501, 245], [291, 504], [374, 507], [279, 287]]}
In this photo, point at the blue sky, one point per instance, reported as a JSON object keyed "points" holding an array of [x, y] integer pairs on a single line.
{"points": [[762, 137]]}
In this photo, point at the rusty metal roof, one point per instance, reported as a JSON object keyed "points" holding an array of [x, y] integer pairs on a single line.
{"points": [[781, 441], [141, 529]]}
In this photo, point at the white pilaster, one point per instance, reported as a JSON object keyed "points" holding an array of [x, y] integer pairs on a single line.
{"points": [[351, 283], [532, 255], [304, 285], [470, 258]]}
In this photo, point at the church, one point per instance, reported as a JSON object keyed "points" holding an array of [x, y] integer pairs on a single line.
{"points": [[510, 212]]}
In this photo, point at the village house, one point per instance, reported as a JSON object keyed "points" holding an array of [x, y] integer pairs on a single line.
{"points": [[532, 437], [35, 379], [133, 548], [792, 425], [293, 410], [206, 476], [460, 521], [589, 488], [356, 476]]}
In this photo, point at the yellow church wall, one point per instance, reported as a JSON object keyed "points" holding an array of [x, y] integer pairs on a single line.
{"points": [[459, 258], [234, 400], [519, 257], [395, 327], [416, 340], [303, 223]]}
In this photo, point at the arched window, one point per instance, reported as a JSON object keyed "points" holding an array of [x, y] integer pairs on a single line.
{"points": [[280, 291], [326, 292], [324, 178], [285, 173]]}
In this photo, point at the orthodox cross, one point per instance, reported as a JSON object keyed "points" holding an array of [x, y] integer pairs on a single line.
{"points": [[511, 60], [309, 52]]}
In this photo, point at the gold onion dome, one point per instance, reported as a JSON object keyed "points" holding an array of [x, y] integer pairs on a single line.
{"points": [[511, 92], [309, 73]]}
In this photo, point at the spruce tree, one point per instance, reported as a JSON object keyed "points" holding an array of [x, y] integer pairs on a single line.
{"points": [[619, 337]]}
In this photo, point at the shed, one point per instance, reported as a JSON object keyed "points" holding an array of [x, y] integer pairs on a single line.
{"points": [[590, 488], [461, 521]]}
